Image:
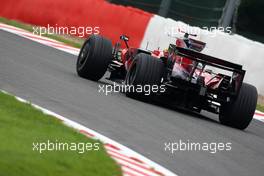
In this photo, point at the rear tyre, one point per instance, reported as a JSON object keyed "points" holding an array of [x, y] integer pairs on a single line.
{"points": [[145, 70], [94, 57], [239, 113]]}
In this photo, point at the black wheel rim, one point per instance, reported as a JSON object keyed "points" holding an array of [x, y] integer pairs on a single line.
{"points": [[132, 74], [85, 52]]}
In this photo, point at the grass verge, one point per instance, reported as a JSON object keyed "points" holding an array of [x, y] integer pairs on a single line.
{"points": [[21, 125], [69, 40], [260, 108]]}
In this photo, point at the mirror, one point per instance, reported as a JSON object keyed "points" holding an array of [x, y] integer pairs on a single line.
{"points": [[123, 37]]}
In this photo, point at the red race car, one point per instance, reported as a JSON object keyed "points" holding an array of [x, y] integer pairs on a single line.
{"points": [[182, 76]]}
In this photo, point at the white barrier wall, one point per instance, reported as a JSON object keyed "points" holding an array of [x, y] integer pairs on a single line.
{"points": [[162, 31]]}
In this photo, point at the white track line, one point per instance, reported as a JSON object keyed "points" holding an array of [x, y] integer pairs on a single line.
{"points": [[259, 116], [43, 40]]}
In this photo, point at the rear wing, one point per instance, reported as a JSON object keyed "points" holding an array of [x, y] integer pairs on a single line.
{"points": [[238, 72]]}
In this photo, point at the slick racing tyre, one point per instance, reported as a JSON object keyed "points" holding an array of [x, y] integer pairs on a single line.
{"points": [[94, 57], [145, 70], [239, 112]]}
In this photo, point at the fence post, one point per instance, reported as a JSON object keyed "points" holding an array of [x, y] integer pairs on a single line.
{"points": [[164, 8], [228, 12]]}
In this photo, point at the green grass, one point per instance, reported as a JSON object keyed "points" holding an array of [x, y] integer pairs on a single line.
{"points": [[69, 40], [21, 125], [260, 108]]}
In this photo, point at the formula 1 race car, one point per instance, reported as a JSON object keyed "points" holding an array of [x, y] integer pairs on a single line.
{"points": [[191, 80]]}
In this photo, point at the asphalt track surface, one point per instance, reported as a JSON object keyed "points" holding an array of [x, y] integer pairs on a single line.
{"points": [[47, 77]]}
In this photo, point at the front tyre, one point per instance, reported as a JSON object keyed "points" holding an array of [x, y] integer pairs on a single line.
{"points": [[240, 112], [94, 58]]}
